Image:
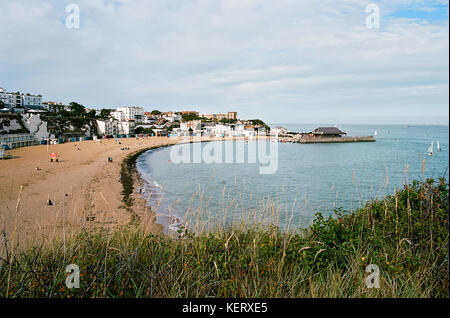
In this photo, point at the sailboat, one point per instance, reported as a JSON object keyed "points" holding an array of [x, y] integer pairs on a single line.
{"points": [[430, 149], [375, 133], [438, 146]]}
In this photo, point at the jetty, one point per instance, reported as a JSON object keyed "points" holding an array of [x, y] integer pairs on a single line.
{"points": [[336, 139], [324, 135]]}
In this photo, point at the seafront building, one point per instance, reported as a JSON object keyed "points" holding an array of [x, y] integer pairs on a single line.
{"points": [[54, 107], [194, 125], [107, 127], [32, 101], [18, 100], [131, 113], [228, 116], [328, 132], [118, 115], [122, 121], [278, 130], [113, 127]]}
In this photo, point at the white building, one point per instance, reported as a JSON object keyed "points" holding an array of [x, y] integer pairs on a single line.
{"points": [[118, 115], [262, 131], [107, 127], [31, 101], [239, 129], [53, 107], [3, 97], [13, 100], [132, 113], [278, 130], [222, 130], [195, 125], [171, 117], [249, 132], [126, 127]]}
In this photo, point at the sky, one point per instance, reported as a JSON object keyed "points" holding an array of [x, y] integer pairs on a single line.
{"points": [[284, 61]]}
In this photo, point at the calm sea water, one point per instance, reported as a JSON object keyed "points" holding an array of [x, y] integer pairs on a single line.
{"points": [[310, 178]]}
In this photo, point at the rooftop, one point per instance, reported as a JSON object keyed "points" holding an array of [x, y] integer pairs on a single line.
{"points": [[328, 131]]}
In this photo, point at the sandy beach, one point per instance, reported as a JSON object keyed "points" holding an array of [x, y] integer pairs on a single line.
{"points": [[83, 186]]}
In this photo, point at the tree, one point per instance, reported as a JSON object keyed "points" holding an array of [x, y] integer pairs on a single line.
{"points": [[142, 130], [190, 116], [228, 121], [259, 122], [1, 104], [105, 113], [91, 114], [77, 109], [156, 112]]}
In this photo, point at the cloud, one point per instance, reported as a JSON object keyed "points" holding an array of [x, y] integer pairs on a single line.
{"points": [[284, 61]]}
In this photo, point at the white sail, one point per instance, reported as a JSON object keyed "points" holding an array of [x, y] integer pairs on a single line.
{"points": [[375, 133], [430, 149], [438, 146]]}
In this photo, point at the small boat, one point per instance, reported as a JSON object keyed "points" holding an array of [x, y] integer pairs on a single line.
{"points": [[430, 149], [375, 133], [438, 146]]}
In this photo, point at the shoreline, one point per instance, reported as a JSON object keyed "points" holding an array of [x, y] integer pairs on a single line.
{"points": [[131, 176], [85, 189]]}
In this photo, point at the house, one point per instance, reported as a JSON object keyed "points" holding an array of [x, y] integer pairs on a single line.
{"points": [[278, 130], [53, 107], [249, 132], [262, 131], [328, 132], [193, 124]]}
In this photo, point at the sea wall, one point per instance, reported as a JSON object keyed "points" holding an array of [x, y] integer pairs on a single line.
{"points": [[305, 140]]}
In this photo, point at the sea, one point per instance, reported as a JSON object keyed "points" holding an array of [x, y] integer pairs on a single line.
{"points": [[225, 185]]}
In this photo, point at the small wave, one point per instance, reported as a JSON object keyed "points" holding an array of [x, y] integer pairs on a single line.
{"points": [[153, 194]]}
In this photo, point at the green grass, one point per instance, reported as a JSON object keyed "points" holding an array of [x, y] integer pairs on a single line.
{"points": [[405, 234]]}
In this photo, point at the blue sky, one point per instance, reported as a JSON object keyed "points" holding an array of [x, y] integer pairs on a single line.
{"points": [[287, 61]]}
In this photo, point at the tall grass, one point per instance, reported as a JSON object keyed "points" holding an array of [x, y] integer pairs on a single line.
{"points": [[405, 234]]}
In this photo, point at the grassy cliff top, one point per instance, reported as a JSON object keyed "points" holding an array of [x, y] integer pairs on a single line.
{"points": [[406, 235]]}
